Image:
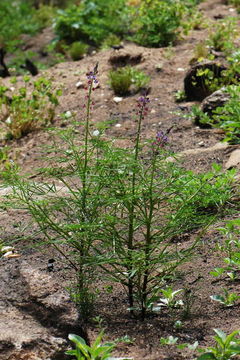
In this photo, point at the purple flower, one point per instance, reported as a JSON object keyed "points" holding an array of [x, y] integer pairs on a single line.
{"points": [[161, 140], [143, 100]]}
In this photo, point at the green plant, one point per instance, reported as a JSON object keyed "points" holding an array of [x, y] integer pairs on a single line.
{"points": [[77, 50], [227, 346], [235, 3], [180, 96], [119, 209], [225, 117], [170, 299], [92, 21], [157, 23], [222, 35], [160, 23], [227, 299], [97, 351], [44, 15], [70, 221], [25, 112], [111, 40], [122, 79], [228, 116], [24, 23]]}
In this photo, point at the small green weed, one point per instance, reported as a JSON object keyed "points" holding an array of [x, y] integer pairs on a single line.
{"points": [[97, 351], [122, 79], [77, 50], [26, 112], [222, 35], [227, 299], [170, 298], [227, 346]]}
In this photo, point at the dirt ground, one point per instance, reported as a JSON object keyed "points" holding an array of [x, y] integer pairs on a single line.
{"points": [[199, 151]]}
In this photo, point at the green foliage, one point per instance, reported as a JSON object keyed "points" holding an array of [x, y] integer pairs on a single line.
{"points": [[227, 299], [77, 50], [92, 21], [230, 247], [97, 351], [170, 298], [122, 79], [227, 346], [120, 209], [26, 112], [44, 15], [24, 22], [152, 23], [111, 40], [226, 117], [180, 96], [157, 23], [222, 35], [235, 3]]}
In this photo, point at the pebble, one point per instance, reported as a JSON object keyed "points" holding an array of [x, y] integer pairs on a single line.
{"points": [[67, 114], [96, 133], [152, 111], [79, 85], [201, 143], [118, 125], [180, 69], [117, 99]]}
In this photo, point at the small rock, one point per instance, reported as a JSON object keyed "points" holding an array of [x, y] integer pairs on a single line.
{"points": [[180, 69], [201, 143], [79, 85], [96, 133], [152, 111], [234, 159], [159, 67], [67, 114], [118, 125], [117, 99]]}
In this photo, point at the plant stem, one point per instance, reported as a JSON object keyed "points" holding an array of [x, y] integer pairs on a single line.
{"points": [[148, 242], [131, 215]]}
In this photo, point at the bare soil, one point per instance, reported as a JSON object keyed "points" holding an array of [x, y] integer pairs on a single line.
{"points": [[194, 277]]}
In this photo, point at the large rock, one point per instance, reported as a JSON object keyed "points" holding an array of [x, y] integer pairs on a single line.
{"points": [[217, 99], [36, 313], [195, 86]]}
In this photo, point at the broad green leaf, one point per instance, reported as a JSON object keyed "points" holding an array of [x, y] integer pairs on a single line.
{"points": [[207, 356]]}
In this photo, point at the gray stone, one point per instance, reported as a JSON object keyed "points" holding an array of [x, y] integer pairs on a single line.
{"points": [[215, 100], [36, 313], [234, 160]]}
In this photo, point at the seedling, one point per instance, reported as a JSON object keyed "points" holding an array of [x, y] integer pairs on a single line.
{"points": [[227, 299], [170, 298], [121, 80], [97, 351], [226, 347]]}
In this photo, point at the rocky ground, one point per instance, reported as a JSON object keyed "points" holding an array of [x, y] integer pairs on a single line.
{"points": [[36, 313]]}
